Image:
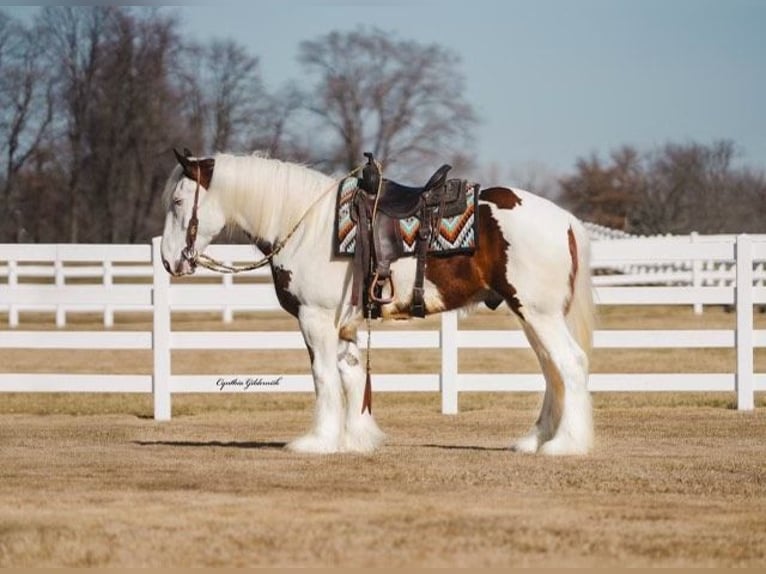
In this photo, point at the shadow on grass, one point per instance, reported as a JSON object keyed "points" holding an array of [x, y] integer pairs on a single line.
{"points": [[216, 443], [280, 445], [467, 447]]}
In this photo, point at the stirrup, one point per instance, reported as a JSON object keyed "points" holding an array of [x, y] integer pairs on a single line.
{"points": [[378, 282]]}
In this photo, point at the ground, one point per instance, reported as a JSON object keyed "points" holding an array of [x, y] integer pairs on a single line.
{"points": [[676, 479]]}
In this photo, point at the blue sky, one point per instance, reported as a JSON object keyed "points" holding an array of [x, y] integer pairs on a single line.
{"points": [[551, 80]]}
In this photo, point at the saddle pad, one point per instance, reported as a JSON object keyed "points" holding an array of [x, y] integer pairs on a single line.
{"points": [[456, 234]]}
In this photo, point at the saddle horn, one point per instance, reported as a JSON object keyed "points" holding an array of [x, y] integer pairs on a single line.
{"points": [[370, 175]]}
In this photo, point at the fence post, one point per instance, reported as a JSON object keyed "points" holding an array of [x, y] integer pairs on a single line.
{"points": [[13, 281], [58, 278], [448, 376], [108, 282], [227, 280], [160, 335], [696, 275], [744, 332]]}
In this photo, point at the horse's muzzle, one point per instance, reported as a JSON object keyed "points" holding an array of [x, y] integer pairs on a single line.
{"points": [[183, 267]]}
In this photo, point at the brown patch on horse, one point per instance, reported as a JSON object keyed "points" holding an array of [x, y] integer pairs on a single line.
{"points": [[205, 169], [200, 170], [503, 197], [287, 300], [463, 279], [573, 270], [348, 333]]}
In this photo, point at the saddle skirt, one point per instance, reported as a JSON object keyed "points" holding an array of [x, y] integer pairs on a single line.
{"points": [[456, 234]]}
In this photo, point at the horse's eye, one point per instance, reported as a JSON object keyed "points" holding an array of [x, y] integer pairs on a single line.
{"points": [[177, 200]]}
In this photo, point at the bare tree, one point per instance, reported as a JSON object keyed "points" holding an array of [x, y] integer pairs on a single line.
{"points": [[133, 119], [688, 189], [158, 120], [126, 91], [677, 188], [399, 99], [747, 200], [279, 132], [224, 95], [119, 112], [537, 178], [74, 44], [605, 193], [186, 76], [235, 90], [26, 111]]}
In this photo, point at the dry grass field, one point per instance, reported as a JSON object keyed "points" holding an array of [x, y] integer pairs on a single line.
{"points": [[676, 479]]}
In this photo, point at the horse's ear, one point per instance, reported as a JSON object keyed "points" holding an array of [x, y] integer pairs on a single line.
{"points": [[182, 159], [201, 169]]}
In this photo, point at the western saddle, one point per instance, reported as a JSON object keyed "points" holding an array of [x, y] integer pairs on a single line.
{"points": [[377, 207]]}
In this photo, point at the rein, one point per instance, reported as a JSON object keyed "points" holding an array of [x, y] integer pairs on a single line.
{"points": [[190, 253]]}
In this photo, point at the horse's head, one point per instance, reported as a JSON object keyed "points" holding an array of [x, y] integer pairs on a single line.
{"points": [[193, 216]]}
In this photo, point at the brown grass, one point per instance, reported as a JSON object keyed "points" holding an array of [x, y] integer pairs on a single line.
{"points": [[676, 479]]}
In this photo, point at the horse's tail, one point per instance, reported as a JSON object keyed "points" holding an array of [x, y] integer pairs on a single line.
{"points": [[581, 317]]}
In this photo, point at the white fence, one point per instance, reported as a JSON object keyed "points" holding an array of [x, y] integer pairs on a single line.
{"points": [[118, 270], [697, 272], [105, 265], [100, 267]]}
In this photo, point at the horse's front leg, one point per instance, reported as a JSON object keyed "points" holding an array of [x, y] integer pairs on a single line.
{"points": [[362, 433], [321, 338]]}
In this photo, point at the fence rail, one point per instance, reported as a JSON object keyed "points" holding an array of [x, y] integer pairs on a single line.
{"points": [[629, 262], [31, 285]]}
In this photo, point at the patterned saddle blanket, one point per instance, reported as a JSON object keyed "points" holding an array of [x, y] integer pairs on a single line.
{"points": [[457, 234]]}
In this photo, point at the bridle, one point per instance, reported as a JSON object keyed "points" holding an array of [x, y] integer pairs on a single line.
{"points": [[189, 252]]}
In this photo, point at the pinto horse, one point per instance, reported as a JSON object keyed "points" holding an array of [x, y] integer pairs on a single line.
{"points": [[531, 254]]}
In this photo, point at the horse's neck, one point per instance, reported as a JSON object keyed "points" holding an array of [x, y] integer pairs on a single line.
{"points": [[270, 200]]}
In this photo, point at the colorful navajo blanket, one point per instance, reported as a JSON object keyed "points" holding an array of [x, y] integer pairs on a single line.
{"points": [[456, 234]]}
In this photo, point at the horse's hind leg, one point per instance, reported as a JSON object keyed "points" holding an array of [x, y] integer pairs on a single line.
{"points": [[564, 425], [361, 432], [550, 413], [321, 339]]}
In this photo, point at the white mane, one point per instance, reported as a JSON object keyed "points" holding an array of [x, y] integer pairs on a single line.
{"points": [[264, 196]]}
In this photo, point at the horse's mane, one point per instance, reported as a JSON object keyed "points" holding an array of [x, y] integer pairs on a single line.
{"points": [[269, 194]]}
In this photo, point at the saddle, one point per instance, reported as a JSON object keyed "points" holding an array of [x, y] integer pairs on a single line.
{"points": [[377, 207]]}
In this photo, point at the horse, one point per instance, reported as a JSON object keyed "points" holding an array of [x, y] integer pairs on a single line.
{"points": [[531, 254]]}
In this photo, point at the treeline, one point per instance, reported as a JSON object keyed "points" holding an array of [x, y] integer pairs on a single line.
{"points": [[93, 99], [676, 188]]}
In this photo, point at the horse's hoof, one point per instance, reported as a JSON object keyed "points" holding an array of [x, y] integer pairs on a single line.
{"points": [[562, 447], [312, 444], [363, 437], [528, 444]]}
